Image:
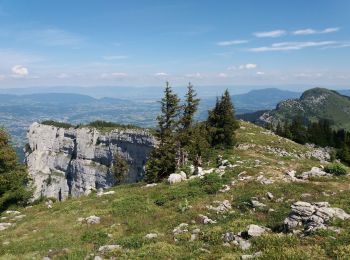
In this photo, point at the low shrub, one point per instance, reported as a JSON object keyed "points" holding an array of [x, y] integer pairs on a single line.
{"points": [[336, 169]]}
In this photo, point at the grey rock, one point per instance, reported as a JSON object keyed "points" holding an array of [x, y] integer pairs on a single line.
{"points": [[176, 177], [255, 230], [93, 220], [312, 216], [109, 248], [151, 236], [314, 172], [206, 220], [73, 162]]}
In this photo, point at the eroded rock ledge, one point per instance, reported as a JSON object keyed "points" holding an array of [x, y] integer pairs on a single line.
{"points": [[74, 161]]}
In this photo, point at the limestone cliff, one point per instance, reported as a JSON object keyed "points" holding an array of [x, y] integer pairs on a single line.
{"points": [[74, 161]]}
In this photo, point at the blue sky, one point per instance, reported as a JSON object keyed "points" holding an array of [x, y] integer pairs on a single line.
{"points": [[144, 43]]}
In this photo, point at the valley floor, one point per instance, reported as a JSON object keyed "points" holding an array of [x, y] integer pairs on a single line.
{"points": [[144, 221]]}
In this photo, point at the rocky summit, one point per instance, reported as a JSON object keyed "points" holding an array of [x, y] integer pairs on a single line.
{"points": [[74, 161]]}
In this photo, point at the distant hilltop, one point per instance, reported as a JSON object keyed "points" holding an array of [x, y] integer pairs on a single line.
{"points": [[313, 105]]}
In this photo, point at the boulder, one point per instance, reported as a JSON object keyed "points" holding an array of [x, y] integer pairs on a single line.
{"points": [[176, 177], [315, 172], [92, 220], [255, 230], [151, 236], [206, 220]]}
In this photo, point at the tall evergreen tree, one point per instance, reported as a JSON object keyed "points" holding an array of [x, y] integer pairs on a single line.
{"points": [[222, 122], [186, 125], [162, 161]]}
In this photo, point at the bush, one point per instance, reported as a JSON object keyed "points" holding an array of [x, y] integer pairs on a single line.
{"points": [[13, 176], [336, 169], [211, 183], [95, 237]]}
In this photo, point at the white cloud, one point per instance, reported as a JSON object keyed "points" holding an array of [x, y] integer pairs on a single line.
{"points": [[260, 73], [19, 71], [114, 75], [231, 42], [161, 74], [222, 75], [195, 75], [248, 66], [270, 34], [312, 31], [285, 46], [115, 57]]}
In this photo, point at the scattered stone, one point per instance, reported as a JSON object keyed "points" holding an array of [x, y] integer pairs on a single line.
{"points": [[109, 248], [256, 204], [4, 226], [263, 180], [151, 236], [225, 188], [205, 220], [312, 215], [231, 238], [12, 212], [150, 185], [255, 255], [93, 220], [182, 228], [269, 195], [101, 193], [315, 172], [176, 177], [256, 231], [19, 217], [49, 204], [222, 207]]}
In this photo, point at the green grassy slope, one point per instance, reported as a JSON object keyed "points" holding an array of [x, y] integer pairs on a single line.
{"points": [[315, 104], [134, 211]]}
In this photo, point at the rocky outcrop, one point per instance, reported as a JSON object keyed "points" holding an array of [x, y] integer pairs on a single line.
{"points": [[312, 215], [74, 161]]}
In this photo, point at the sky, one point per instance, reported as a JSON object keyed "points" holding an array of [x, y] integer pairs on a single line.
{"points": [[145, 43]]}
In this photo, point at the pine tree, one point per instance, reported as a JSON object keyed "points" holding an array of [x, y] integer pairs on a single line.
{"points": [[345, 153], [222, 123], [185, 132], [13, 176], [162, 161]]}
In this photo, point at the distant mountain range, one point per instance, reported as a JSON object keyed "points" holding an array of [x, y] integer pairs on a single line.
{"points": [[314, 104], [17, 112]]}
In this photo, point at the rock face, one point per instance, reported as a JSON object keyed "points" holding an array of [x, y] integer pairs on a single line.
{"points": [[72, 162]]}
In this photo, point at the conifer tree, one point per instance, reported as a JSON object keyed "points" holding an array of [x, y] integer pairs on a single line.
{"points": [[222, 123], [186, 125], [162, 161]]}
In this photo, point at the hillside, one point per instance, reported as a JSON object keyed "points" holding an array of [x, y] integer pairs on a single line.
{"points": [[258, 186], [314, 104]]}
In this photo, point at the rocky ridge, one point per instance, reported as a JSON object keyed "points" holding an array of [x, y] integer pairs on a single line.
{"points": [[74, 161]]}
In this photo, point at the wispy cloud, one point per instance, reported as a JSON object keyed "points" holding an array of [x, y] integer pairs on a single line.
{"points": [[312, 31], [270, 34], [248, 66], [231, 42], [286, 46], [161, 74], [51, 37], [118, 75], [115, 57]]}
